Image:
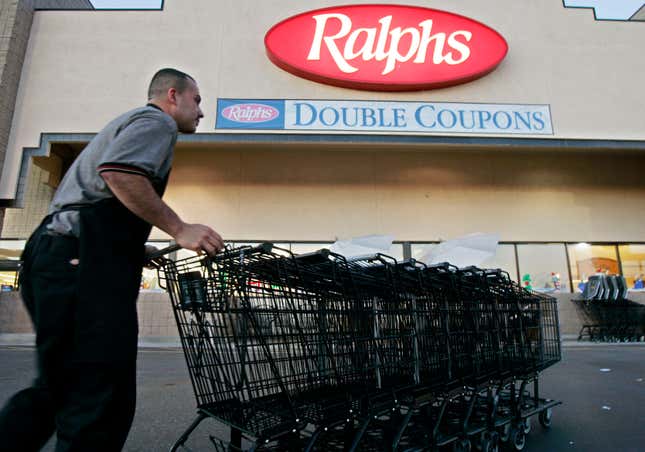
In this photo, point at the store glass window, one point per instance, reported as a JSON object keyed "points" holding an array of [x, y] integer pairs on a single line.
{"points": [[587, 260], [395, 251], [10, 251], [283, 245], [304, 248], [543, 267], [184, 253], [419, 250], [632, 258], [149, 277], [504, 259]]}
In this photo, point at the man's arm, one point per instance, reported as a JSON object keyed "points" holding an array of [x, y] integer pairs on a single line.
{"points": [[138, 195]]}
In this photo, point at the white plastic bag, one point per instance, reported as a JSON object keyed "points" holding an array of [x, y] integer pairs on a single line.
{"points": [[364, 246], [471, 249]]}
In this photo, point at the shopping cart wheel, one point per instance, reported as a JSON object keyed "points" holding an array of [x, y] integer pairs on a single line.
{"points": [[489, 442], [526, 425], [504, 432], [545, 418], [462, 445], [518, 438]]}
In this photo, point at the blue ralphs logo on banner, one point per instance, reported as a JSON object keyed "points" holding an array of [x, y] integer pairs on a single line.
{"points": [[250, 114]]}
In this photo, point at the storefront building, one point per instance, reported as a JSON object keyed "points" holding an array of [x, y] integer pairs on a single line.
{"points": [[524, 119]]}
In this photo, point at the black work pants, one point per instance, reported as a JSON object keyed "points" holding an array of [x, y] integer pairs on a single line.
{"points": [[89, 404]]}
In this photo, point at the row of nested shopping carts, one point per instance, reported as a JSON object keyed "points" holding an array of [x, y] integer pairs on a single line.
{"points": [[607, 314], [317, 352]]}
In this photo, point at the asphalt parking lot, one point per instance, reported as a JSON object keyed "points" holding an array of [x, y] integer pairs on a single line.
{"points": [[602, 388]]}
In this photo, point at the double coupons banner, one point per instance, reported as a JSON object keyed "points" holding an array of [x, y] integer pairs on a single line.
{"points": [[383, 116]]}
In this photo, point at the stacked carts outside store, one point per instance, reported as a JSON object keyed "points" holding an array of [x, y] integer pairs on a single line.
{"points": [[608, 316], [317, 352]]}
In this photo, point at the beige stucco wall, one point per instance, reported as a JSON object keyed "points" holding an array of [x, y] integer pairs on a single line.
{"points": [[311, 193], [82, 68], [15, 28], [20, 222], [15, 21]]}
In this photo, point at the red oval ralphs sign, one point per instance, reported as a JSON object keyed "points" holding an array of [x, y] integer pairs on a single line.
{"points": [[385, 47]]}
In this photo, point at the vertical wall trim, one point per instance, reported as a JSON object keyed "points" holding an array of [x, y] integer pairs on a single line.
{"points": [[517, 264], [566, 253], [407, 250]]}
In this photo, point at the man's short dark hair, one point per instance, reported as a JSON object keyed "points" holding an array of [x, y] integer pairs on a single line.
{"points": [[165, 79]]}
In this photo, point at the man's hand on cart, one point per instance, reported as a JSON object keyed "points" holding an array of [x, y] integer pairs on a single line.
{"points": [[200, 238]]}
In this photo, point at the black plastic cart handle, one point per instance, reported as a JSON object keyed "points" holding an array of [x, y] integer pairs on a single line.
{"points": [[162, 252]]}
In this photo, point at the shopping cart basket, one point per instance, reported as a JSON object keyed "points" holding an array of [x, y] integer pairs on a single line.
{"points": [[317, 352]]}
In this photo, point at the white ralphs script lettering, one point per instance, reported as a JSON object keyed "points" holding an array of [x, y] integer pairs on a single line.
{"points": [[383, 43]]}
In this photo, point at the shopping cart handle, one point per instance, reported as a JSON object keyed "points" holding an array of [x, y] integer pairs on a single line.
{"points": [[162, 252], [317, 257], [264, 247]]}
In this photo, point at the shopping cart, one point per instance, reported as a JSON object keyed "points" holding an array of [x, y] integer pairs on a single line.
{"points": [[607, 315], [494, 338], [318, 352], [619, 320]]}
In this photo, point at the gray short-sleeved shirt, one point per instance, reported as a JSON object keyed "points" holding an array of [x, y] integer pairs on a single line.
{"points": [[140, 141]]}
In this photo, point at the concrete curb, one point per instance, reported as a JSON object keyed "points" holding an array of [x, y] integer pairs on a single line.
{"points": [[166, 342], [29, 340]]}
